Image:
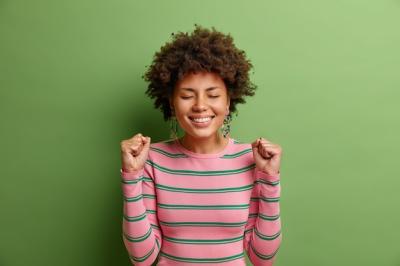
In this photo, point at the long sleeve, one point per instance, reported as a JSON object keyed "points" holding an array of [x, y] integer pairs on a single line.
{"points": [[263, 230], [141, 233]]}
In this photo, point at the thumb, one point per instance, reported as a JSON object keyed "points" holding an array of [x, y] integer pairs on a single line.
{"points": [[254, 146], [147, 141]]}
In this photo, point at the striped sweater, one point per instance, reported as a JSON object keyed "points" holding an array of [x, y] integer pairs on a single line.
{"points": [[187, 208]]}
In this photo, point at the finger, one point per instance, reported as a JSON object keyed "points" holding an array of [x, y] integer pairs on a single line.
{"points": [[263, 140], [137, 136], [265, 154], [268, 146], [147, 140], [272, 150], [255, 143], [273, 146], [136, 148]]}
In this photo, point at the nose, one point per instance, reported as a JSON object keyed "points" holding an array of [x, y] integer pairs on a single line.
{"points": [[200, 104]]}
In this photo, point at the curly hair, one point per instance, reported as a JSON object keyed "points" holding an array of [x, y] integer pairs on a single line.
{"points": [[202, 50]]}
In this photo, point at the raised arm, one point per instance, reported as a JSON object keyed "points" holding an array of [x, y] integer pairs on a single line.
{"points": [[263, 231], [140, 228]]}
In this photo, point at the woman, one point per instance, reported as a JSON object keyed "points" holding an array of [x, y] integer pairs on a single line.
{"points": [[204, 198]]}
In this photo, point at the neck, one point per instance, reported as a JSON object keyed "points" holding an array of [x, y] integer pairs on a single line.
{"points": [[213, 144]]}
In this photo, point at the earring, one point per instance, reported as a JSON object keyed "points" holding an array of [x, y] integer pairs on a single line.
{"points": [[173, 127], [226, 128]]}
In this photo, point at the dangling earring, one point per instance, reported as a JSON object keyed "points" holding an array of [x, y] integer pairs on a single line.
{"points": [[226, 128], [173, 126]]}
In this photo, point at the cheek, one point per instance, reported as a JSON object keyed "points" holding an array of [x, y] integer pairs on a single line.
{"points": [[221, 108], [182, 107]]}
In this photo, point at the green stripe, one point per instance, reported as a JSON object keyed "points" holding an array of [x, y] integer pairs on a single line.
{"points": [[202, 260], [140, 238], [130, 182], [200, 173], [151, 211], [261, 256], [264, 199], [168, 154], [155, 226], [271, 183], [143, 258], [203, 207], [158, 244], [265, 237], [147, 179], [204, 224], [203, 241], [264, 217], [135, 181], [205, 190], [269, 199], [149, 196], [251, 215], [135, 218], [269, 218], [248, 230], [131, 199], [234, 155]]}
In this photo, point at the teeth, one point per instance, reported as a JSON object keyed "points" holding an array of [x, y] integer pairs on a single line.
{"points": [[201, 120]]}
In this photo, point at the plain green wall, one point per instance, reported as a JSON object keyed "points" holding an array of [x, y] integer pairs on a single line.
{"points": [[328, 92]]}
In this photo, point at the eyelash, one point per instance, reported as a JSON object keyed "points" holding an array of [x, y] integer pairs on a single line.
{"points": [[187, 97]]}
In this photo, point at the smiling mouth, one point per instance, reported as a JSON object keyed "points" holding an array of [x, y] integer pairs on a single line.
{"points": [[202, 120]]}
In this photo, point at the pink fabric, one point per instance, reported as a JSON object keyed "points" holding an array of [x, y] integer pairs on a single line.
{"points": [[186, 208]]}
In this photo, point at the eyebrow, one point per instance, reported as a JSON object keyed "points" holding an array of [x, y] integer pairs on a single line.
{"points": [[208, 89]]}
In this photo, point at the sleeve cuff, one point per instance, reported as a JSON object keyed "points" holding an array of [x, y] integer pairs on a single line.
{"points": [[262, 175], [131, 175]]}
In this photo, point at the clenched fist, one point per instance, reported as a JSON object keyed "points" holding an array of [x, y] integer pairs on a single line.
{"points": [[267, 156], [134, 152]]}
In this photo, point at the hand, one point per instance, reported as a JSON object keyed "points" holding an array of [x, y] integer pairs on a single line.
{"points": [[267, 156], [134, 152]]}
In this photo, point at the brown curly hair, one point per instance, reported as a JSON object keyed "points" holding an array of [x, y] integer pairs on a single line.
{"points": [[202, 50]]}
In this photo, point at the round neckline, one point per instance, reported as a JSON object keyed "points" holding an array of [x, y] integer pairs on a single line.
{"points": [[204, 155]]}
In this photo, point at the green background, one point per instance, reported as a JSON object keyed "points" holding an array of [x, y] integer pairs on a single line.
{"points": [[328, 93]]}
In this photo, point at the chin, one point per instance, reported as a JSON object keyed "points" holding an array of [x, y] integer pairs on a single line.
{"points": [[202, 134]]}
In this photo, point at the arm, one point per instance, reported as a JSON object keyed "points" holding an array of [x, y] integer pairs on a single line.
{"points": [[140, 228], [263, 231]]}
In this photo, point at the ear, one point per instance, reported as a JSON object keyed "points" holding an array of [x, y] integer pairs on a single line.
{"points": [[228, 105], [171, 107]]}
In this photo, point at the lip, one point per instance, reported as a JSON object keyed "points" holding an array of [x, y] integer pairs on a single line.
{"points": [[199, 124], [200, 116]]}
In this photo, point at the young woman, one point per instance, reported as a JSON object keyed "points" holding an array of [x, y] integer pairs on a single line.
{"points": [[204, 198]]}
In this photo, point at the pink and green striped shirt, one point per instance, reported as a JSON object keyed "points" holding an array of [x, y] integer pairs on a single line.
{"points": [[186, 208]]}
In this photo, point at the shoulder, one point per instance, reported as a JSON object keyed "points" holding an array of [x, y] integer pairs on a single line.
{"points": [[163, 144], [164, 148], [239, 151], [240, 145]]}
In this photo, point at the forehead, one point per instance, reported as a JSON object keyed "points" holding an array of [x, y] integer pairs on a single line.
{"points": [[200, 81]]}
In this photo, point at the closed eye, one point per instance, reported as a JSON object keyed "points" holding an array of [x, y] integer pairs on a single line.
{"points": [[188, 97]]}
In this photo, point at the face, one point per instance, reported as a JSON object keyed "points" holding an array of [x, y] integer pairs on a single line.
{"points": [[200, 95]]}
